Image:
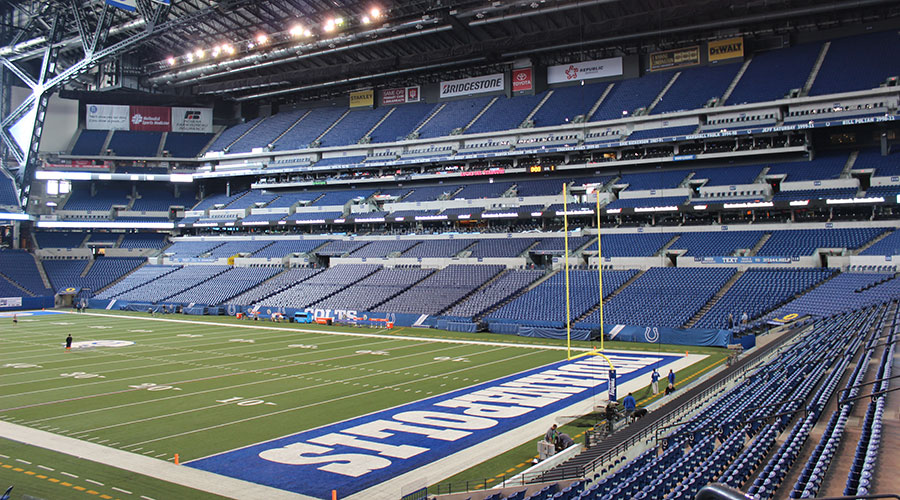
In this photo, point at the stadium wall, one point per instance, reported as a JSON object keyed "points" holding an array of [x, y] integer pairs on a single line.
{"points": [[60, 124]]}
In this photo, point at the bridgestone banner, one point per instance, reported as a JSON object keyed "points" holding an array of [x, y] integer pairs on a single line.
{"points": [[106, 117], [148, 118], [472, 86], [587, 70]]}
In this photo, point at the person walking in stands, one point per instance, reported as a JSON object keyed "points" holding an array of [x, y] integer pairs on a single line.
{"points": [[69, 342], [744, 319], [654, 381], [630, 405], [729, 323]]}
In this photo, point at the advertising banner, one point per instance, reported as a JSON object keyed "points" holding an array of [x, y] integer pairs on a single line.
{"points": [[106, 117], [730, 48], [746, 260], [677, 58], [151, 118], [400, 95], [192, 120], [522, 80], [587, 70], [362, 99], [6, 302], [472, 86]]}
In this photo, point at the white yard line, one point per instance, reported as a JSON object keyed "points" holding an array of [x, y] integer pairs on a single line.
{"points": [[165, 471], [349, 334], [307, 375], [300, 389]]}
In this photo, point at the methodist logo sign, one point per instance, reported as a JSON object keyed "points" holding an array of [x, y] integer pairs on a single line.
{"points": [[587, 70], [471, 86], [362, 452]]}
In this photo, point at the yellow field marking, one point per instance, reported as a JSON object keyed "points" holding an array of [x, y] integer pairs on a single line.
{"points": [[18, 469], [79, 488], [52, 479], [30, 473], [65, 483], [92, 492], [105, 497], [41, 476]]}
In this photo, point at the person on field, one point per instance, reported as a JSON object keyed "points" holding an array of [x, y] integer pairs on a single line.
{"points": [[654, 381], [69, 342]]}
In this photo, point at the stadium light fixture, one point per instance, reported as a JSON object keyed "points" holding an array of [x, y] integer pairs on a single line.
{"points": [[366, 20], [170, 61], [261, 39], [375, 13], [328, 26], [199, 54], [297, 31]]}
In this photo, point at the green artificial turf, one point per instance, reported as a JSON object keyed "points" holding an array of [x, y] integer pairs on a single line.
{"points": [[198, 386]]}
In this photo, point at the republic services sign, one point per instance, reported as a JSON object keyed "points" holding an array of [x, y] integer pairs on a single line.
{"points": [[587, 70]]}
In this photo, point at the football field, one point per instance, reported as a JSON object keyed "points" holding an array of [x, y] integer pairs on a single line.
{"points": [[208, 388]]}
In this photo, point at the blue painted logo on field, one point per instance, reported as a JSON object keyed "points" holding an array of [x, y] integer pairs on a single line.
{"points": [[23, 314], [362, 452]]}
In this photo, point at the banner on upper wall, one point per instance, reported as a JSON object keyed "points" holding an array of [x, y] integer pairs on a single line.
{"points": [[677, 58], [587, 70], [151, 118], [522, 80], [400, 95], [730, 48], [362, 99], [106, 117], [148, 118], [192, 120], [472, 86], [663, 335]]}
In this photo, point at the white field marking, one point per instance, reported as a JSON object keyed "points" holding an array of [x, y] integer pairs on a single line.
{"points": [[236, 372], [216, 355], [218, 405], [67, 474], [98, 483], [146, 498], [121, 490], [325, 382], [23, 461], [46, 468], [3, 456], [161, 455], [307, 406], [349, 334], [166, 360]]}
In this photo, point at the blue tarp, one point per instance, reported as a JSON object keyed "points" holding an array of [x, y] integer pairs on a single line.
{"points": [[553, 333], [664, 335]]}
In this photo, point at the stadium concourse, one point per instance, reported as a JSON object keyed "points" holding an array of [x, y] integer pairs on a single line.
{"points": [[398, 226]]}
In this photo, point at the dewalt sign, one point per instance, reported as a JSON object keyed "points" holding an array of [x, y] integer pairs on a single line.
{"points": [[730, 48]]}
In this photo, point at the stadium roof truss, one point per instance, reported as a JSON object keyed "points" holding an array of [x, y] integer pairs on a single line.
{"points": [[47, 43]]}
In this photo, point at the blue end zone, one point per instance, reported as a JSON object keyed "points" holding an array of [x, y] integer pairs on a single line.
{"points": [[362, 452], [25, 314]]}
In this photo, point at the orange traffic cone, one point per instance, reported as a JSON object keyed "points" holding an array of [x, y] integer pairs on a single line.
{"points": [[176, 459]]}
